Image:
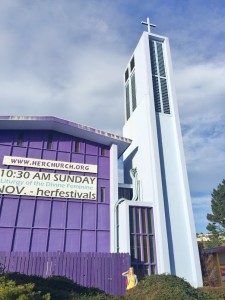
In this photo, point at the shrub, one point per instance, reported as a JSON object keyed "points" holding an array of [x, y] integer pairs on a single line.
{"points": [[216, 292], [156, 287], [59, 287], [10, 291], [166, 287]]}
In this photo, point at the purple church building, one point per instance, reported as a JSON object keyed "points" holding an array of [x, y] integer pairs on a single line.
{"points": [[60, 213]]}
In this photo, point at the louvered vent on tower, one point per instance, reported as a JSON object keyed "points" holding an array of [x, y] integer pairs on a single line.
{"points": [[159, 80]]}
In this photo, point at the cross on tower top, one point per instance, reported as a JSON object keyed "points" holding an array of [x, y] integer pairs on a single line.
{"points": [[148, 24]]}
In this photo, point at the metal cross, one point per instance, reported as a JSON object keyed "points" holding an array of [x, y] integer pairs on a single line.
{"points": [[148, 24]]}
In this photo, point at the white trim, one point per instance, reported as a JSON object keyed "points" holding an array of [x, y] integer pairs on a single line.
{"points": [[113, 192]]}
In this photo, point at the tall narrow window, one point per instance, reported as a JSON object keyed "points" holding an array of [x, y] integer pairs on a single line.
{"points": [[126, 75], [132, 64], [77, 147], [142, 241], [133, 92], [102, 192], [162, 71], [20, 139], [127, 101], [49, 142], [130, 89], [157, 99], [138, 220], [165, 97]]}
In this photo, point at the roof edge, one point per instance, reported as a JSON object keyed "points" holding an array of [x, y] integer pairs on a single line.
{"points": [[65, 126]]}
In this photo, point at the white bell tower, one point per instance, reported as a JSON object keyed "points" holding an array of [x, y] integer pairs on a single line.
{"points": [[156, 152]]}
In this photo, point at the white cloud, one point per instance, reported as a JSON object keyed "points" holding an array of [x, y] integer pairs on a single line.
{"points": [[63, 61], [201, 98], [201, 206], [201, 201]]}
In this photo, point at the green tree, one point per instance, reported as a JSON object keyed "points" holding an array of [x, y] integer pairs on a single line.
{"points": [[217, 218]]}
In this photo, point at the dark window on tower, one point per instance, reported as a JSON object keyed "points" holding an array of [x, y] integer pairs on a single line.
{"points": [[162, 71], [153, 58], [165, 97], [130, 88], [20, 139], [133, 92], [155, 81], [126, 75], [49, 142], [127, 101], [132, 64]]}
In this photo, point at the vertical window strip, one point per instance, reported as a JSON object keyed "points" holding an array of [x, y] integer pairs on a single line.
{"points": [[132, 247], [139, 246], [102, 194], [161, 60], [149, 218], [126, 75], [20, 139], [127, 101], [138, 220], [153, 58], [130, 89], [151, 246], [156, 93], [145, 248], [132, 64], [165, 97], [77, 147], [144, 221], [131, 210], [49, 142], [133, 92]]}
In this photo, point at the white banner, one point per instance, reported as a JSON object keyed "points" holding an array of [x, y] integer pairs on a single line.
{"points": [[48, 164], [29, 183]]}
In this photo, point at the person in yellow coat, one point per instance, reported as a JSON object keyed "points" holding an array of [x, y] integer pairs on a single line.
{"points": [[131, 278]]}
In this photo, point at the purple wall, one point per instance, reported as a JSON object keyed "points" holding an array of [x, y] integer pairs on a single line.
{"points": [[80, 267], [52, 224]]}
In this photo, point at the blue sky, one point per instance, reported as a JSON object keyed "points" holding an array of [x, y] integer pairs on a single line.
{"points": [[67, 58]]}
